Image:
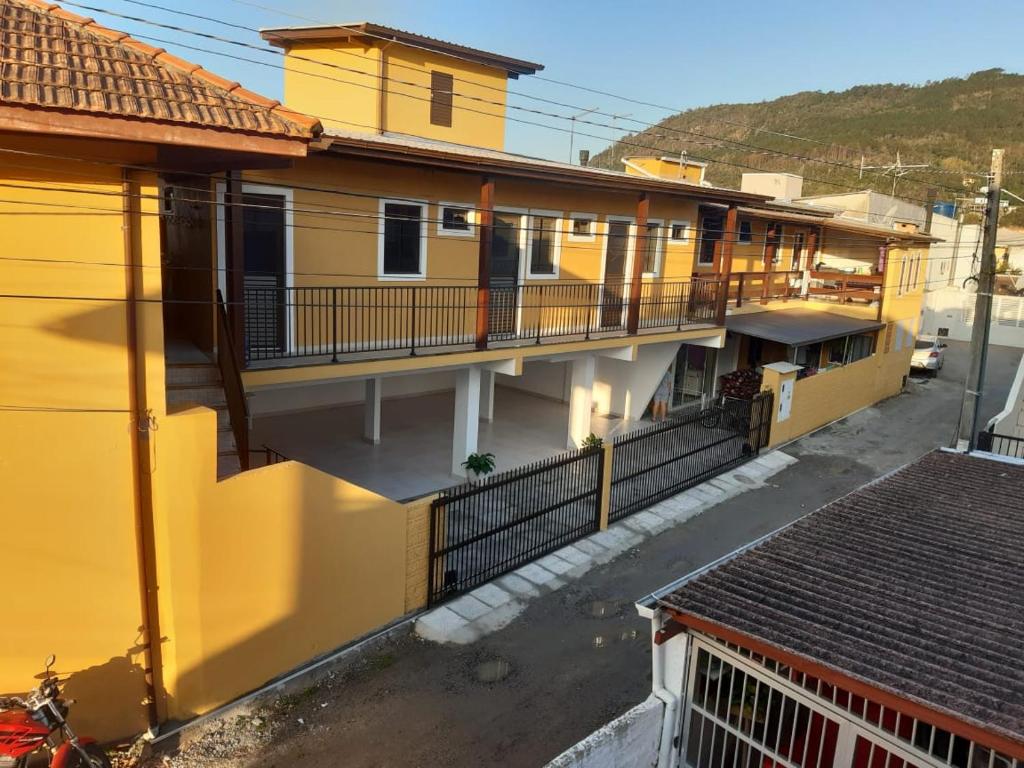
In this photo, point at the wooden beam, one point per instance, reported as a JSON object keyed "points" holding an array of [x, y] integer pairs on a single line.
{"points": [[812, 249], [636, 278], [485, 225], [833, 676], [234, 262], [723, 259], [771, 248]]}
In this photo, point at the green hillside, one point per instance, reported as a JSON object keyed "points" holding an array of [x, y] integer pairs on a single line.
{"points": [[951, 124]]}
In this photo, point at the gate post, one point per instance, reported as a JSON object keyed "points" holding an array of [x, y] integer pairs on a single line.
{"points": [[604, 485]]}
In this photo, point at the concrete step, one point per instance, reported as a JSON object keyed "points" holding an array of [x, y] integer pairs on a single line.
{"points": [[192, 375], [226, 441], [210, 396]]}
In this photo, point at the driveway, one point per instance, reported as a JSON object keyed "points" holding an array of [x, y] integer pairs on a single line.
{"points": [[580, 656]]}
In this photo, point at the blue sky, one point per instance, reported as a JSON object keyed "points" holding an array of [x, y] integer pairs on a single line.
{"points": [[675, 54]]}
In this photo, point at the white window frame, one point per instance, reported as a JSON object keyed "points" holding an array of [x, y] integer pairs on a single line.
{"points": [[424, 216], [289, 246], [700, 242], [659, 248], [471, 217], [556, 254], [685, 239], [574, 238]]}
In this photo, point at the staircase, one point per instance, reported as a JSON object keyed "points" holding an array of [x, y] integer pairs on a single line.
{"points": [[194, 379]]}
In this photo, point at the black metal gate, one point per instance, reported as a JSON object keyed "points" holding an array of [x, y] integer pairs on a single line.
{"points": [[693, 446], [484, 529]]}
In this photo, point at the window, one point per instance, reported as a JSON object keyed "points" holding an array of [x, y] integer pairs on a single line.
{"points": [[403, 240], [860, 346], [710, 233], [746, 233], [652, 249], [679, 232], [544, 247], [455, 219], [441, 84], [581, 227]]}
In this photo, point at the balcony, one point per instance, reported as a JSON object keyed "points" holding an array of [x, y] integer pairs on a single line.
{"points": [[837, 286], [334, 324]]}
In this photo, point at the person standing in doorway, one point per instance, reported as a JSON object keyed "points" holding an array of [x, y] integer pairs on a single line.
{"points": [[659, 410]]}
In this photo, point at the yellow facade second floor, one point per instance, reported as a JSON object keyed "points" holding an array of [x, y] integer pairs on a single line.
{"points": [[368, 78]]}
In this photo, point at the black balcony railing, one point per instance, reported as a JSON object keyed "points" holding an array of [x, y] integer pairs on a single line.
{"points": [[1007, 445], [333, 322]]}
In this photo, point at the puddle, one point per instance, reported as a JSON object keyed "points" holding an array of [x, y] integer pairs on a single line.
{"points": [[603, 609], [743, 479], [493, 671]]}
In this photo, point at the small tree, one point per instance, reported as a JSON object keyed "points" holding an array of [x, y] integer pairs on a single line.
{"points": [[479, 464]]}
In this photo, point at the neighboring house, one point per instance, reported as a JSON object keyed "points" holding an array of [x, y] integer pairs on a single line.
{"points": [[1004, 433], [380, 277], [880, 631]]}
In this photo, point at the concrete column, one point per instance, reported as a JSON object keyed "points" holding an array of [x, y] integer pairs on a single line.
{"points": [[581, 399], [467, 416], [487, 396], [371, 411]]}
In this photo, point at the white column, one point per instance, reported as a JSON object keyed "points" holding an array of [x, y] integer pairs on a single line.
{"points": [[581, 399], [487, 395], [371, 411], [467, 416]]}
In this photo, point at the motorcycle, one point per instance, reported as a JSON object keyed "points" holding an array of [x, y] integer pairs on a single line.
{"points": [[38, 722]]}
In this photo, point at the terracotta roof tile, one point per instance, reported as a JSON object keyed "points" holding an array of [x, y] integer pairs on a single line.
{"points": [[52, 58], [913, 584]]}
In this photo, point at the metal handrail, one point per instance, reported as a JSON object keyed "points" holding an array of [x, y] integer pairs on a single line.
{"points": [[231, 380]]}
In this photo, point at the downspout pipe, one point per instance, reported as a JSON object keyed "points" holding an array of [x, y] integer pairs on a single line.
{"points": [[667, 756]]}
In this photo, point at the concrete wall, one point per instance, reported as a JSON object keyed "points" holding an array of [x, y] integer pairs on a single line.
{"points": [[540, 377], [624, 388], [303, 397], [953, 309], [1010, 420], [629, 741]]}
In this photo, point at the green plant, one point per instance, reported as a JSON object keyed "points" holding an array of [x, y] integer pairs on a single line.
{"points": [[592, 441], [479, 463]]}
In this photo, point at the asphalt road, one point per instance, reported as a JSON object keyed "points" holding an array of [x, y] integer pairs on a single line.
{"points": [[579, 657]]}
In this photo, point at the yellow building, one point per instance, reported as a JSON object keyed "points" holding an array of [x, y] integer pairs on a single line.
{"points": [[397, 293]]}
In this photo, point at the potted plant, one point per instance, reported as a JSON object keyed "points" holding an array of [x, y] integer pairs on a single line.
{"points": [[480, 464]]}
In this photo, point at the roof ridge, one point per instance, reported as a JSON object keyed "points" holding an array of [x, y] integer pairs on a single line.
{"points": [[171, 61]]}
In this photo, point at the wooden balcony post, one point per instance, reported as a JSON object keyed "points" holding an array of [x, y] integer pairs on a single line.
{"points": [[485, 224], [723, 249], [234, 261], [643, 207], [770, 249], [812, 251]]}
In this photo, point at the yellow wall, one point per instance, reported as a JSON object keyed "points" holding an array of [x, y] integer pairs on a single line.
{"points": [[264, 571], [338, 82], [66, 468], [665, 169]]}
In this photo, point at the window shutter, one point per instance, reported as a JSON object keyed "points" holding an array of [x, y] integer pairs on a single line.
{"points": [[441, 85]]}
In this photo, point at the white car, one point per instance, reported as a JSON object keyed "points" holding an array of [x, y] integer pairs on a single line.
{"points": [[929, 354]]}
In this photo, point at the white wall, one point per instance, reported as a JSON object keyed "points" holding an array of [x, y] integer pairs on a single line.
{"points": [[625, 388], [953, 308], [628, 741], [539, 377], [324, 395], [1010, 421]]}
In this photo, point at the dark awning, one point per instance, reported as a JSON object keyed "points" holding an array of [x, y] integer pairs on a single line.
{"points": [[798, 326]]}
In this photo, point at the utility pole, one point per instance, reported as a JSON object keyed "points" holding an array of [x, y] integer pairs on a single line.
{"points": [[973, 388]]}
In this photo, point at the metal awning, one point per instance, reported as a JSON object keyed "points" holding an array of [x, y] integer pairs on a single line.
{"points": [[795, 327]]}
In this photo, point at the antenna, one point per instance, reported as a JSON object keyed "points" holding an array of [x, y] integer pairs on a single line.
{"points": [[897, 169]]}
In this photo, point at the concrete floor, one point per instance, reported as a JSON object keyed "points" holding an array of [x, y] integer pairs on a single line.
{"points": [[580, 656], [414, 455]]}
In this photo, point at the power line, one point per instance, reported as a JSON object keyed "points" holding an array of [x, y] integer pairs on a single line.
{"points": [[502, 105]]}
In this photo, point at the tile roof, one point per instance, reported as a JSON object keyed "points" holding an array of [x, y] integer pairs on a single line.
{"points": [[913, 584], [51, 58]]}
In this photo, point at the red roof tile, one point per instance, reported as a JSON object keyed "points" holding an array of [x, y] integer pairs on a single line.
{"points": [[52, 58]]}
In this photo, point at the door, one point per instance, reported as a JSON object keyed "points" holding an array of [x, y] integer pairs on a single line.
{"points": [[694, 375], [265, 277], [614, 294], [711, 228], [505, 256]]}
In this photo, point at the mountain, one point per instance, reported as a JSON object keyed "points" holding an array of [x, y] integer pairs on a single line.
{"points": [[952, 125]]}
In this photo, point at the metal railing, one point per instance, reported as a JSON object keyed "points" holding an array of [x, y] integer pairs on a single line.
{"points": [[484, 529], [1005, 445], [335, 321], [231, 380], [660, 461], [268, 455]]}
